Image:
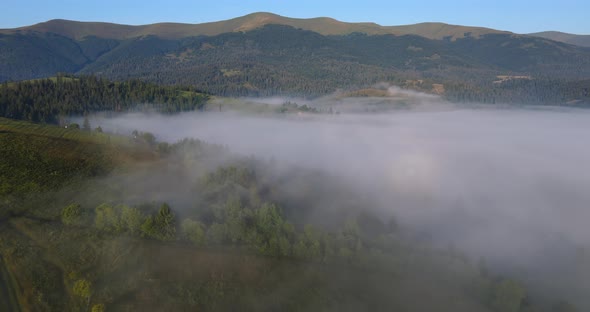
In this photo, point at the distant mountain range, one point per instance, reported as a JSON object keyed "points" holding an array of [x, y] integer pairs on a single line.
{"points": [[265, 54], [321, 25], [580, 40]]}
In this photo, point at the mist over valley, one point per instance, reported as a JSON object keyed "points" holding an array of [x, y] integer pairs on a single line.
{"points": [[273, 163]]}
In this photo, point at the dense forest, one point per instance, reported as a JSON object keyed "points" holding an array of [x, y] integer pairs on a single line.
{"points": [[53, 99], [282, 60]]}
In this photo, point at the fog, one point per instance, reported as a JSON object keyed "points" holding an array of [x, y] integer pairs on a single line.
{"points": [[510, 185]]}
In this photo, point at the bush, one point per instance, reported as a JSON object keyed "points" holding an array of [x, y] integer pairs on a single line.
{"points": [[194, 231], [71, 214], [82, 288]]}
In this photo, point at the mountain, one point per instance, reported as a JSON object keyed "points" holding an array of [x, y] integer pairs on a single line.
{"points": [[321, 25], [264, 54], [580, 40]]}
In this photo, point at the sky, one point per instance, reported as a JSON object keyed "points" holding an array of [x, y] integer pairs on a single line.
{"points": [[520, 16]]}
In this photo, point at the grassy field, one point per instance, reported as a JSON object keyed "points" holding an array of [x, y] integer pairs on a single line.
{"points": [[40, 157]]}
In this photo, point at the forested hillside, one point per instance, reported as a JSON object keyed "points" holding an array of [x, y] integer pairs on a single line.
{"points": [[53, 100], [282, 60]]}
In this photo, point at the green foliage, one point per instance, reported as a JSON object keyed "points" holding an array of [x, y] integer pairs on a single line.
{"points": [[149, 138], [148, 228], [45, 100], [161, 226], [37, 158], [107, 218], [71, 214], [308, 246], [98, 308], [194, 231], [268, 61], [349, 240], [224, 175], [272, 233], [117, 219], [82, 288], [131, 219], [165, 222]]}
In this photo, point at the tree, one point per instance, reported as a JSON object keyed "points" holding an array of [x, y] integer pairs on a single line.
{"points": [[71, 214], [131, 219], [161, 226], [234, 215], [272, 232], [107, 218], [350, 236], [308, 247], [165, 223], [148, 138], [98, 307], [73, 126], [82, 288], [148, 229], [193, 231]]}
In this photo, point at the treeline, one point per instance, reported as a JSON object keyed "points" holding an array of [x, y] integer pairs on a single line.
{"points": [[538, 91], [52, 99], [248, 224], [280, 60], [233, 218]]}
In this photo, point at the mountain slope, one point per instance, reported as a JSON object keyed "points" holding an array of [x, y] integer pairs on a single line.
{"points": [[579, 40], [321, 25], [256, 55], [442, 31]]}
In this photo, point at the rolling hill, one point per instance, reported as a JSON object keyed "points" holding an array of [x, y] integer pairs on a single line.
{"points": [[322, 25], [264, 54], [579, 40]]}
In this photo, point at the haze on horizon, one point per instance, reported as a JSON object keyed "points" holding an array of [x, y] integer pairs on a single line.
{"points": [[519, 17]]}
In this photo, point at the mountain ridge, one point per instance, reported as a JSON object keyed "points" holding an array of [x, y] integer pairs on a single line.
{"points": [[322, 25], [78, 30], [256, 55], [579, 40]]}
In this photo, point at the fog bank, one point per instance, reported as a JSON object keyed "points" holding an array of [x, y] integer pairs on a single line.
{"points": [[507, 184]]}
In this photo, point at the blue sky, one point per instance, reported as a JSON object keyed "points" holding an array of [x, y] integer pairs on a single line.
{"points": [[521, 16]]}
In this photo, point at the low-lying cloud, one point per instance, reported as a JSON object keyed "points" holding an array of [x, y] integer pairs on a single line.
{"points": [[510, 185]]}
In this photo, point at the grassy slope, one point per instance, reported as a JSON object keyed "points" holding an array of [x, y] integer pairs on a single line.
{"points": [[442, 30], [580, 40], [322, 25], [42, 157], [36, 159]]}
